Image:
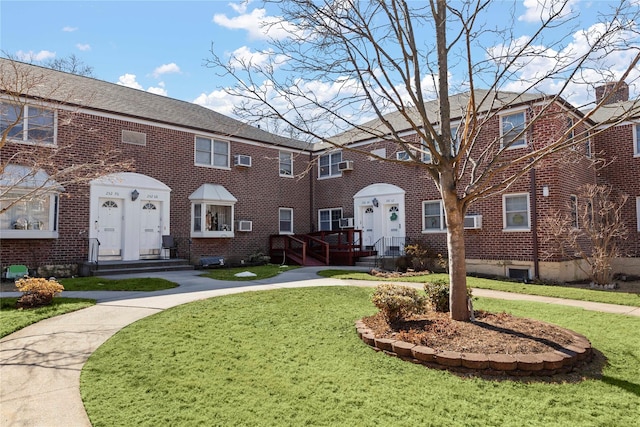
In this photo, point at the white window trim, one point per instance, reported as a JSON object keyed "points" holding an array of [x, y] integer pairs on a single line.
{"points": [[339, 174], [25, 124], [330, 210], [285, 175], [506, 228], [638, 211], [54, 222], [503, 114], [280, 220], [636, 140], [213, 140], [212, 233], [443, 225]]}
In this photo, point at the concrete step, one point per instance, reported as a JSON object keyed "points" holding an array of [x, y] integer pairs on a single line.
{"points": [[106, 268]]}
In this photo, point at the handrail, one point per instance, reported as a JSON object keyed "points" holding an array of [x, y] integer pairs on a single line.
{"points": [[324, 253], [94, 250], [288, 248]]}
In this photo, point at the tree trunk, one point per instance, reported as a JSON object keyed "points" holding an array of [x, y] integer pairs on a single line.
{"points": [[458, 304]]}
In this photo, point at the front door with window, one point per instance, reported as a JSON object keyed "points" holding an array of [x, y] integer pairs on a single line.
{"points": [[150, 235], [129, 214], [379, 212], [109, 229], [368, 238]]}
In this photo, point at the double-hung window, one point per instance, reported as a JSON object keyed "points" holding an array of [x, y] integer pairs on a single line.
{"points": [[286, 164], [30, 204], [285, 219], [433, 217], [211, 152], [516, 214], [26, 123], [636, 139], [329, 219], [328, 165], [512, 130]]}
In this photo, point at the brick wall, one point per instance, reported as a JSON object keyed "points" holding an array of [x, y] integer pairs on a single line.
{"points": [[168, 156]]}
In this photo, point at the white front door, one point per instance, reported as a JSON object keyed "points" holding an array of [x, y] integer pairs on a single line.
{"points": [[394, 235], [150, 234], [109, 228], [368, 237]]}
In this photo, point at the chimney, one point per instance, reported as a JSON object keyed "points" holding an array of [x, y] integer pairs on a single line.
{"points": [[622, 94]]}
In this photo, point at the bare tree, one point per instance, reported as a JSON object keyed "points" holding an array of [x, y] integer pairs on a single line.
{"points": [[70, 64], [32, 162], [384, 60], [592, 231]]}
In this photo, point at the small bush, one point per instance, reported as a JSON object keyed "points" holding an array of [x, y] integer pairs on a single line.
{"points": [[397, 302], [438, 295], [37, 292]]}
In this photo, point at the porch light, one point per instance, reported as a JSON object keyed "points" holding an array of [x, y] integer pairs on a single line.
{"points": [[134, 195], [375, 202]]}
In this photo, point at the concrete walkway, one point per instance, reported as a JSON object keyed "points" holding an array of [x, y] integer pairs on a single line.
{"points": [[40, 365]]}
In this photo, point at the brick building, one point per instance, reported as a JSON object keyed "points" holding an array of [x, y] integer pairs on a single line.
{"points": [[221, 187]]}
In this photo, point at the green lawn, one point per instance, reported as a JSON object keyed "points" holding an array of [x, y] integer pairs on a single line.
{"points": [[261, 272], [610, 297], [291, 357], [12, 319], [95, 283]]}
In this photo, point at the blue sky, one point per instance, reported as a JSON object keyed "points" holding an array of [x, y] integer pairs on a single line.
{"points": [[160, 46]]}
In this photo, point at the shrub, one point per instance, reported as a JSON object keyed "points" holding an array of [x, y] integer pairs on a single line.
{"points": [[37, 292], [397, 302], [438, 294]]}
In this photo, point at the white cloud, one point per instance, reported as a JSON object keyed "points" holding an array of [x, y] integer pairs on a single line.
{"points": [[245, 57], [604, 64], [32, 56], [218, 100], [537, 10], [130, 80], [160, 90], [257, 24], [166, 69], [68, 29], [240, 7], [83, 46]]}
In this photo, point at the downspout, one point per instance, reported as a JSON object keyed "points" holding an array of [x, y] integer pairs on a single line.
{"points": [[311, 193], [534, 226]]}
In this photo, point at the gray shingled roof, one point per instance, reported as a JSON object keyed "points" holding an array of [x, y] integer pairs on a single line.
{"points": [[612, 113], [458, 102], [109, 97]]}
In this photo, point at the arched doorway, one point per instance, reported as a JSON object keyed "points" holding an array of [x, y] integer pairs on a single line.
{"points": [[379, 211], [129, 214]]}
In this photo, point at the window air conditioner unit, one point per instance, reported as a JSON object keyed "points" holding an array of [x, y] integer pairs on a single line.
{"points": [[346, 222], [346, 165], [242, 160], [473, 222], [244, 225]]}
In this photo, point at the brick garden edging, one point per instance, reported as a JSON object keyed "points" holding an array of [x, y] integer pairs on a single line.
{"points": [[560, 361]]}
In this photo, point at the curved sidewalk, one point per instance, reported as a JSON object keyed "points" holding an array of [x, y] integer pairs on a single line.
{"points": [[40, 365]]}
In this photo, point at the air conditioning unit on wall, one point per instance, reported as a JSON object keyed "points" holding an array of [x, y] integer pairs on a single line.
{"points": [[473, 222], [346, 222], [244, 225], [242, 160], [347, 165]]}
